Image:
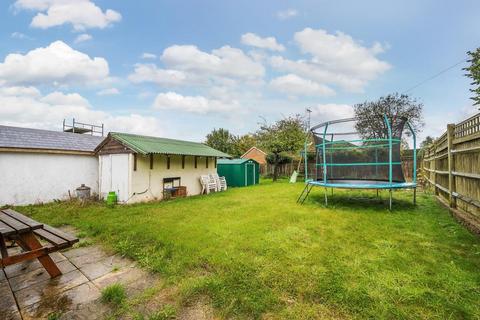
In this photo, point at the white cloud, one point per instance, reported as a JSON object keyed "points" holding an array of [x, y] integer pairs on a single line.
{"points": [[193, 104], [26, 107], [270, 43], [108, 92], [295, 85], [81, 14], [287, 14], [331, 111], [56, 64], [147, 55], [334, 59], [150, 73], [187, 65], [83, 37], [20, 91], [19, 35], [340, 52], [69, 99], [224, 62]]}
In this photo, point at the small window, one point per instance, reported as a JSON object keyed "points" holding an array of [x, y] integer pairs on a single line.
{"points": [[183, 162], [134, 162], [206, 162], [151, 161], [215, 162], [196, 161], [168, 162]]}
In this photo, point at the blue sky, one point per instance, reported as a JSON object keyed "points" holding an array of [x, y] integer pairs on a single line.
{"points": [[181, 68]]}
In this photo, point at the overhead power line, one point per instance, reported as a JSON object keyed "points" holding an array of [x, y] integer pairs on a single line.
{"points": [[434, 76]]}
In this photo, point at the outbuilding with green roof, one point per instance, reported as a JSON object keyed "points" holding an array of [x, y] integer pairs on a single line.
{"points": [[239, 172], [142, 168]]}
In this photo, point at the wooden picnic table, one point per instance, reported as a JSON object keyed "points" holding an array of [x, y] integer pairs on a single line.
{"points": [[26, 232]]}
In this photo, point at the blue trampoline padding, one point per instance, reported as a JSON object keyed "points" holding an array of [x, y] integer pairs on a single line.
{"points": [[363, 184]]}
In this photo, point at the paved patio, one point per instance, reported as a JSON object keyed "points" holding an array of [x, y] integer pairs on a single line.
{"points": [[27, 291]]}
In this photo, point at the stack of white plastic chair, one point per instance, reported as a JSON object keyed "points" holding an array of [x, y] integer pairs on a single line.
{"points": [[223, 183], [208, 184], [214, 178]]}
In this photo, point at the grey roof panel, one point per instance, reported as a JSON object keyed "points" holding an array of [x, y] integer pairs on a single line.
{"points": [[26, 138]]}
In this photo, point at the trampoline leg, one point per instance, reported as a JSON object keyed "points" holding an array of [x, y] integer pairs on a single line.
{"points": [[414, 196], [326, 197], [390, 205], [377, 193]]}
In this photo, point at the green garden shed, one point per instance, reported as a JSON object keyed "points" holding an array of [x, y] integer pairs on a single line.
{"points": [[239, 172]]}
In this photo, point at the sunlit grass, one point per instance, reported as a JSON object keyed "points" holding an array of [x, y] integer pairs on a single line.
{"points": [[255, 252]]}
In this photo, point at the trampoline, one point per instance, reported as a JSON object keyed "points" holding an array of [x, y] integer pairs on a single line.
{"points": [[347, 156]]}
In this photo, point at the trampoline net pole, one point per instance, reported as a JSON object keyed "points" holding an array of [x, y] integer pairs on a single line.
{"points": [[389, 158], [324, 154], [414, 173]]}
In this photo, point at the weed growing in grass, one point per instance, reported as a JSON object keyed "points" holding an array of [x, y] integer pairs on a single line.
{"points": [[114, 294], [54, 316], [168, 312], [84, 243]]}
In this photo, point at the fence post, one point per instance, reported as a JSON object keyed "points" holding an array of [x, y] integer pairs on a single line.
{"points": [[451, 165], [434, 165]]}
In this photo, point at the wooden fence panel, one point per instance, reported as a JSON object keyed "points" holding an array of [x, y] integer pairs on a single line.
{"points": [[451, 165]]}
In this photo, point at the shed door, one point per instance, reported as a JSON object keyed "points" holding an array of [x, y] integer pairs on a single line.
{"points": [[114, 175], [120, 175], [250, 173]]}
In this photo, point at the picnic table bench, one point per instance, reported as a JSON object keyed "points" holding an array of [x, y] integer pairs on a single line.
{"points": [[26, 232]]}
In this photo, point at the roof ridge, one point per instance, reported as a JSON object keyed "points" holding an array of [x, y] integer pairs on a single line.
{"points": [[151, 145], [53, 131], [154, 137]]}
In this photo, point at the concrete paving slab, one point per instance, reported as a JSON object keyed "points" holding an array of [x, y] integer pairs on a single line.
{"points": [[10, 316], [8, 306], [48, 288], [86, 255], [2, 275], [124, 276], [30, 278], [82, 297], [84, 251], [30, 265], [97, 269]]}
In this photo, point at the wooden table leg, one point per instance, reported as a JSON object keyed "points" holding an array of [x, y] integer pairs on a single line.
{"points": [[3, 247], [32, 243]]}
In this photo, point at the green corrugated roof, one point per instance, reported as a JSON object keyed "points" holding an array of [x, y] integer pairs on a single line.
{"points": [[147, 145], [233, 161]]}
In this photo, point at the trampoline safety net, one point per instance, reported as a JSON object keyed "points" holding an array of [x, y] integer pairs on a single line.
{"points": [[348, 155]]}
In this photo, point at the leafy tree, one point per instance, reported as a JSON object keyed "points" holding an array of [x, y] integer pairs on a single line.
{"points": [[221, 139], [370, 122], [426, 142], [242, 144], [473, 72], [286, 136]]}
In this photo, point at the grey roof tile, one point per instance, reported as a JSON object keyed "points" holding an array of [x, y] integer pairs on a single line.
{"points": [[16, 137]]}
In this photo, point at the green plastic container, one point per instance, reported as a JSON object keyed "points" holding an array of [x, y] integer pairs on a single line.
{"points": [[111, 198]]}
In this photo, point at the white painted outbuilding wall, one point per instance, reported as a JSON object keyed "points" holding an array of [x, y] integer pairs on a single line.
{"points": [[144, 184], [29, 178]]}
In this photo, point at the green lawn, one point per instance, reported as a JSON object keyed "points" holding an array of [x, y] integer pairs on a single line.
{"points": [[256, 253]]}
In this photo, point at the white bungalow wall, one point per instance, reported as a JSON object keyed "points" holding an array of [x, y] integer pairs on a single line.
{"points": [[114, 175], [147, 183], [29, 178]]}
